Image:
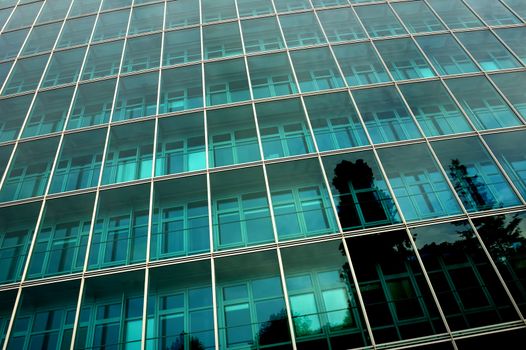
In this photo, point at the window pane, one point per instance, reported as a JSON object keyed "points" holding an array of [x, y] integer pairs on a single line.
{"points": [[417, 17], [476, 178], [216, 10], [379, 21], [518, 6], [466, 285], [113, 4], [261, 34], [487, 50], [420, 188], [513, 86], [25, 75], [394, 290], [360, 64], [316, 69], [335, 122], [455, 13], [359, 191], [121, 228], [41, 38], [291, 5], [53, 10], [181, 144], [180, 218], [12, 114], [514, 38], [434, 109], [232, 137], [84, 7], [181, 13], [11, 43], [240, 210], [182, 46], [222, 40], [446, 54], [385, 115], [146, 18], [284, 129], [300, 199], [301, 30], [271, 75], [249, 8], [111, 25], [92, 104], [482, 104], [493, 13], [23, 16], [181, 89], [341, 25], [142, 53], [403, 59], [64, 67], [103, 60], [76, 31], [129, 155], [226, 82], [136, 97]]}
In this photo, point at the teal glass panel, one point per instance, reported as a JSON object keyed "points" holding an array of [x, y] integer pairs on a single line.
{"points": [[129, 154], [251, 305], [232, 136], [446, 55], [455, 13], [385, 115], [45, 316], [7, 302], [360, 64], [180, 311], [23, 16], [465, 282], [482, 103], [301, 29], [513, 86], [322, 296], [53, 10], [84, 7], [271, 75], [379, 21], [136, 96], [512, 159], [111, 25], [11, 43], [240, 209], [4, 15], [261, 34], [181, 13], [17, 224], [284, 129], [222, 40], [4, 70], [120, 230], [291, 5], [181, 89], [62, 238], [181, 144], [113, 4], [49, 112], [514, 38], [341, 25], [475, 176], [226, 82], [25, 75], [434, 109], [64, 67], [324, 3], [182, 46], [403, 59], [360, 191], [41, 38], [12, 114], [92, 104], [504, 237], [217, 10], [316, 69], [418, 185], [397, 298], [417, 17], [5, 154], [518, 6], [180, 218], [300, 199], [248, 8], [335, 122], [111, 318], [29, 170], [143, 52], [79, 162], [146, 18], [487, 50], [494, 13], [103, 60]]}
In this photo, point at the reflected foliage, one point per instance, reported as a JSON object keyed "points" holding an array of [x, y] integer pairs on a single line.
{"points": [[275, 330], [471, 190]]}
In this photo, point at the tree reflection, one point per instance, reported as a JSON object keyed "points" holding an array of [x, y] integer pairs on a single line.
{"points": [[470, 189]]}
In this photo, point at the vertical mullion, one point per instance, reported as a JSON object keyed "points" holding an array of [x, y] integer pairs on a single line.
{"points": [[9, 17]]}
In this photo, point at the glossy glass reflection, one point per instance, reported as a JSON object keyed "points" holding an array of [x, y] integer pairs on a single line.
{"points": [[142, 53], [455, 13], [25, 75], [417, 17], [181, 89], [379, 20], [92, 104], [12, 114], [513, 86], [271, 75], [404, 60], [226, 82], [262, 34], [360, 64], [136, 96], [513, 37], [181, 46], [64, 67], [316, 69], [301, 29], [359, 191], [494, 13], [103, 60], [222, 40], [341, 24]]}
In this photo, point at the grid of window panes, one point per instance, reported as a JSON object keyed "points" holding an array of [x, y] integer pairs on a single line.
{"points": [[262, 174]]}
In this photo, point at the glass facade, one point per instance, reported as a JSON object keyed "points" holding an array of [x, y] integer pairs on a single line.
{"points": [[262, 174]]}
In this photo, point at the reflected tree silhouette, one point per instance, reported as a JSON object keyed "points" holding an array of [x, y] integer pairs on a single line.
{"points": [[469, 187]]}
